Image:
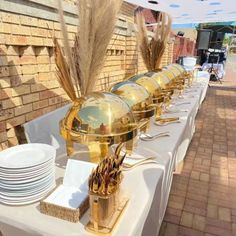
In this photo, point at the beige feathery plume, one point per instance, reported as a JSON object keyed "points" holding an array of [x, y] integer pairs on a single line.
{"points": [[76, 54], [153, 50], [63, 72], [143, 41], [67, 48], [97, 20]]}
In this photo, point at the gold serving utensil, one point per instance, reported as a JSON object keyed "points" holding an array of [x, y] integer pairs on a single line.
{"points": [[169, 119], [166, 122], [148, 137], [162, 123]]}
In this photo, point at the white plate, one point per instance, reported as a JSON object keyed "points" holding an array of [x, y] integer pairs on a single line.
{"points": [[33, 199], [27, 175], [16, 196], [26, 180], [29, 185], [25, 193], [25, 171], [26, 155]]}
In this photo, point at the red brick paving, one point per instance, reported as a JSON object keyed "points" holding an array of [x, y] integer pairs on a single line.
{"points": [[203, 197]]}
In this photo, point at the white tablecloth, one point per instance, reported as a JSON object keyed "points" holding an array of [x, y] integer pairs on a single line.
{"points": [[219, 68], [30, 221], [202, 81], [148, 186], [45, 129]]}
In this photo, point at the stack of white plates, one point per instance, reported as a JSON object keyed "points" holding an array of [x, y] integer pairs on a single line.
{"points": [[27, 173]]}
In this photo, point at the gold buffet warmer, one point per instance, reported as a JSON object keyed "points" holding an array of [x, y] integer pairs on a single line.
{"points": [[98, 121], [150, 85], [165, 84], [153, 87], [140, 101], [179, 70], [137, 97]]}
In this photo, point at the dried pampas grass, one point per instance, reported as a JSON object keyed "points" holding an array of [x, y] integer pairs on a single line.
{"points": [[97, 20], [63, 72], [67, 48], [153, 50]]}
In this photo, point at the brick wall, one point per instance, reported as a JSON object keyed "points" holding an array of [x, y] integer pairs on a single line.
{"points": [[183, 47], [28, 86]]}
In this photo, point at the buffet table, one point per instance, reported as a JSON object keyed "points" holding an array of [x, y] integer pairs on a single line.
{"points": [[147, 186]]}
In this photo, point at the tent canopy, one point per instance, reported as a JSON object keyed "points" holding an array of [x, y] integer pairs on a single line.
{"points": [[226, 27], [193, 11]]}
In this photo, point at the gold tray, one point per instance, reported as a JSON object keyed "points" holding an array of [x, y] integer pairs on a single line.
{"points": [[112, 223]]}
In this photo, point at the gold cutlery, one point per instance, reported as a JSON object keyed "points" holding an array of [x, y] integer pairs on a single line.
{"points": [[166, 123], [148, 137], [168, 119]]}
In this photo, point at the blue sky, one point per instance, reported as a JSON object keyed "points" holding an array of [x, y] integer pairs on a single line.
{"points": [[179, 26]]}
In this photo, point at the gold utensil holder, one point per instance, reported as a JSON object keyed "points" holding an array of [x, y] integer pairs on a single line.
{"points": [[102, 208], [105, 212]]}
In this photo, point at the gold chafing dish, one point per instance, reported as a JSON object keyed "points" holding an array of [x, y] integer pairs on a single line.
{"points": [[179, 67], [166, 87], [165, 83], [171, 76], [137, 97], [141, 105], [174, 70], [151, 73], [154, 89], [176, 82], [168, 80], [161, 79], [98, 120], [184, 75], [150, 85]]}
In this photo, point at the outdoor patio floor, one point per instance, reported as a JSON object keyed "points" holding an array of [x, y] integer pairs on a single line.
{"points": [[203, 197]]}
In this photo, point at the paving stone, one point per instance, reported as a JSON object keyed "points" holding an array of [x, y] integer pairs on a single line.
{"points": [[199, 222], [195, 175], [225, 214], [204, 177], [185, 231], [186, 219], [171, 230], [212, 211]]}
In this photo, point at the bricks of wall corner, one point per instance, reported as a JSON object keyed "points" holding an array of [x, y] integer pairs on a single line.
{"points": [[28, 86]]}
